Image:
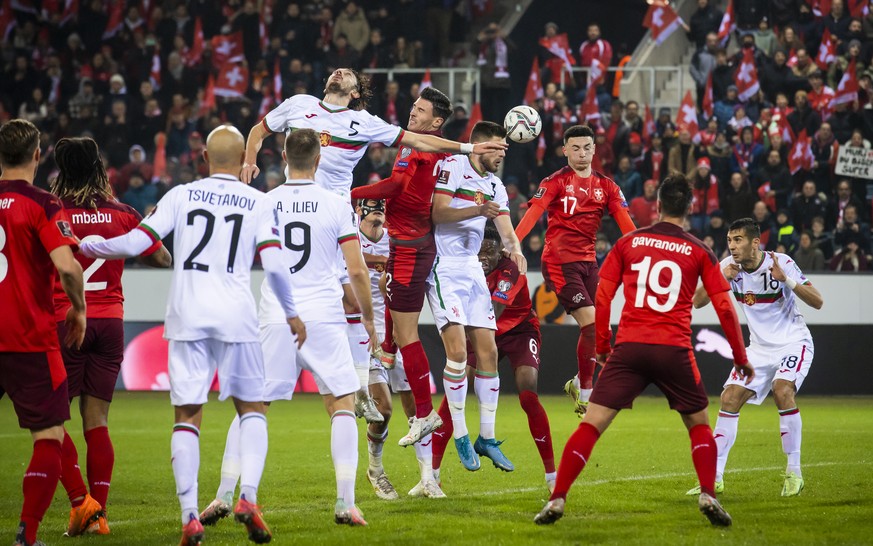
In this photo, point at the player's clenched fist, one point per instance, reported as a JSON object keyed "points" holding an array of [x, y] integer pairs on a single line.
{"points": [[731, 271], [489, 210]]}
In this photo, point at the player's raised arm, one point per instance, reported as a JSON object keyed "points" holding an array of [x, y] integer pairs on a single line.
{"points": [[510, 241], [250, 168], [70, 274], [432, 143], [804, 290]]}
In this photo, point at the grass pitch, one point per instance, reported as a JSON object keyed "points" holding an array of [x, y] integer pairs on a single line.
{"points": [[631, 493]]}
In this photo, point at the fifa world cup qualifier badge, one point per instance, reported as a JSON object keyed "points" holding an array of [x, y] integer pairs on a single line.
{"points": [[65, 228], [443, 178]]}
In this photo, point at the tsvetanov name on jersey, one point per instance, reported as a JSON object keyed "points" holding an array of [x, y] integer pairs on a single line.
{"points": [[298, 206], [661, 244], [221, 199], [92, 217]]}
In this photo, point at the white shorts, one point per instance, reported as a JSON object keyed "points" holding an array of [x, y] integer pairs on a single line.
{"points": [[789, 362], [394, 378], [325, 354], [192, 365], [458, 293]]}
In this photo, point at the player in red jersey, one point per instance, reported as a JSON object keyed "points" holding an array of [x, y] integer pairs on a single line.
{"points": [[518, 339], [92, 370], [35, 239], [576, 198], [659, 267], [408, 192]]}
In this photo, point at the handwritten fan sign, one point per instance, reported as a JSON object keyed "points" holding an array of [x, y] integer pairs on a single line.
{"points": [[855, 162]]}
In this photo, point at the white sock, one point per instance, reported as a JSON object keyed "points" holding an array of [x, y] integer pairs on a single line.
{"points": [[185, 452], [253, 453], [344, 452], [436, 475], [455, 385], [358, 343], [551, 477], [585, 394], [424, 454], [725, 435], [230, 463], [375, 444], [791, 428], [488, 392]]}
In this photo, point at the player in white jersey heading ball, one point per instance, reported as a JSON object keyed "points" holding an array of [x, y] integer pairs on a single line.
{"points": [[219, 224], [767, 285], [468, 194]]}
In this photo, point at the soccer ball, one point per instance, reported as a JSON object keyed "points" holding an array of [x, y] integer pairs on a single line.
{"points": [[522, 124]]}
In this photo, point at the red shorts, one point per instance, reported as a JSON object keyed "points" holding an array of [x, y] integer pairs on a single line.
{"points": [[93, 369], [575, 283], [409, 264], [521, 345], [37, 385], [634, 366]]}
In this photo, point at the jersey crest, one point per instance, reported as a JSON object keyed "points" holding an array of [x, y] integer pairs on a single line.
{"points": [[749, 298], [324, 139], [479, 198], [598, 194]]}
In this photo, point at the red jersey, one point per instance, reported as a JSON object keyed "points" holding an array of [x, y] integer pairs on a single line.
{"points": [[103, 294], [508, 287], [407, 216], [659, 267], [33, 223], [576, 206]]}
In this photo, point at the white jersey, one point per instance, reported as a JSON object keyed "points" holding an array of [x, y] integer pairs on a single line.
{"points": [[313, 222], [376, 257], [218, 224], [460, 180], [345, 135], [770, 306]]}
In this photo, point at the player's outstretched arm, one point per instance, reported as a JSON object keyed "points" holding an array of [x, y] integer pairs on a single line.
{"points": [[529, 220], [70, 274], [159, 258], [443, 213], [360, 281], [250, 168], [277, 276], [806, 292], [624, 221], [383, 189], [124, 246], [510, 242], [432, 143]]}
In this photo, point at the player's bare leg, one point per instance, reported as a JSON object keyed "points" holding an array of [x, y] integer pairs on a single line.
{"points": [[790, 429], [185, 458], [376, 436], [703, 455], [358, 341], [344, 452], [537, 420], [574, 458], [455, 385], [417, 368], [487, 387], [580, 386]]}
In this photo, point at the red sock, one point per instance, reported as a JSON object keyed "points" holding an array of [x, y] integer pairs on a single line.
{"points": [[40, 482], [574, 458], [388, 345], [101, 460], [585, 356], [418, 374], [71, 475], [442, 436], [538, 422], [704, 453]]}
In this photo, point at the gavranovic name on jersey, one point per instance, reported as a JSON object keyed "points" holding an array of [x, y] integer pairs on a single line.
{"points": [[661, 244], [221, 199]]}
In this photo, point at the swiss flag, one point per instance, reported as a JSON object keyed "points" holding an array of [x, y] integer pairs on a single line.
{"points": [[801, 154], [155, 73], [597, 73], [267, 102], [475, 117], [820, 8], [425, 81], [687, 116], [649, 127], [785, 129], [559, 46], [116, 20], [661, 20], [233, 80], [728, 24], [227, 48], [707, 98], [277, 81], [71, 8], [589, 110], [196, 51], [534, 89], [746, 77], [827, 50], [208, 102], [859, 8], [847, 91]]}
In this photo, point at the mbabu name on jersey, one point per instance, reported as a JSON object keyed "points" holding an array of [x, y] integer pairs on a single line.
{"points": [[98, 217]]}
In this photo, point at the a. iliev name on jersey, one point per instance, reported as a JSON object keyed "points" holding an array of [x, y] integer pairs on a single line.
{"points": [[221, 199], [98, 217], [298, 206]]}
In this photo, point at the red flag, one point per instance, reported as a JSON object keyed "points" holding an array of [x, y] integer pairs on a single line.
{"points": [[728, 24], [7, 20], [847, 91], [820, 8], [859, 8], [534, 89], [71, 8], [746, 77], [155, 73], [116, 20], [589, 110], [233, 80], [541, 148], [801, 154], [208, 102], [827, 50], [559, 46], [785, 129], [661, 20], [277, 81], [596, 73], [707, 97], [159, 166], [687, 117], [262, 31], [227, 48], [649, 127], [482, 8], [196, 51], [475, 117], [267, 102], [425, 81]]}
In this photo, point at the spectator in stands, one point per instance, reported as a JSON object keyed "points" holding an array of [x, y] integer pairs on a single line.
{"points": [[824, 148], [595, 47], [808, 257], [723, 109], [774, 182], [627, 178], [492, 49], [644, 209], [655, 161], [341, 53], [602, 246], [35, 109], [682, 157], [718, 230], [803, 66], [737, 201], [739, 121], [822, 239], [782, 233], [376, 54], [837, 68], [663, 120], [851, 225], [454, 128], [837, 21], [803, 116], [722, 75], [747, 154], [851, 258], [140, 194], [806, 206], [353, 23], [765, 38], [774, 75], [604, 158], [720, 153], [533, 250], [843, 122], [704, 195], [749, 13], [761, 215], [783, 12], [747, 43], [706, 20], [84, 105], [297, 33], [616, 130], [820, 96], [703, 62]]}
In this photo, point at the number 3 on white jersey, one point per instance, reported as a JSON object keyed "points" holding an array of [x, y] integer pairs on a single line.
{"points": [[650, 279]]}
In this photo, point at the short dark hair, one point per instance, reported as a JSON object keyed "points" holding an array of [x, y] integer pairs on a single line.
{"points": [[578, 131], [442, 106], [486, 130], [18, 140], [675, 195], [491, 234], [748, 226], [302, 146]]}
